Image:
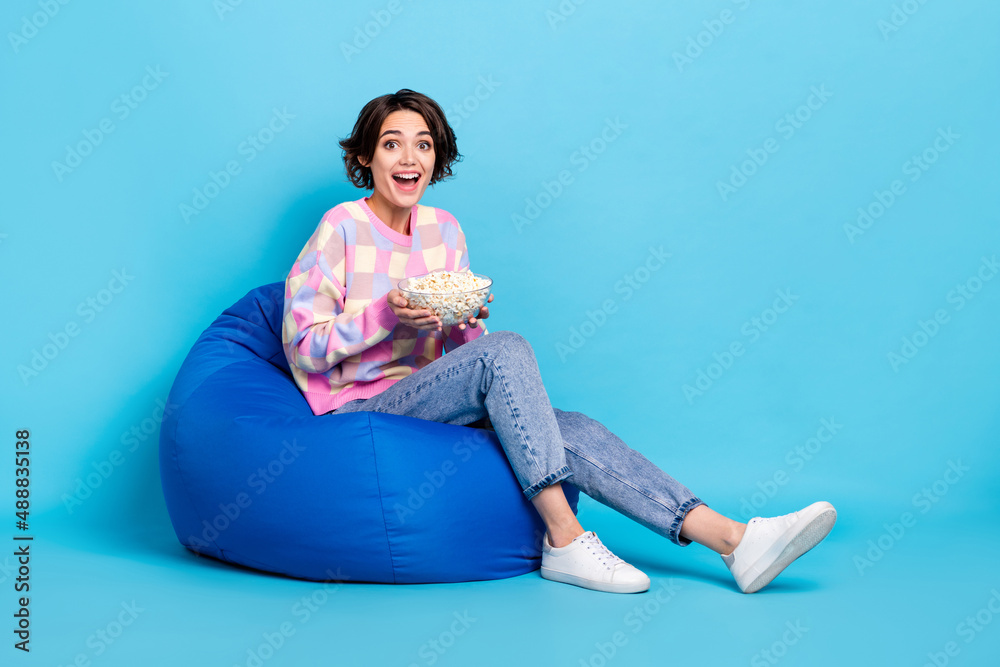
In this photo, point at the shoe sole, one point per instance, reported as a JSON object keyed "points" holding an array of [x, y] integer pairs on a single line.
{"points": [[606, 587], [806, 538]]}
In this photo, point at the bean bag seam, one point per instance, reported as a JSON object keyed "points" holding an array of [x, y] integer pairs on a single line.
{"points": [[174, 454], [174, 425], [381, 503], [187, 494], [174, 451]]}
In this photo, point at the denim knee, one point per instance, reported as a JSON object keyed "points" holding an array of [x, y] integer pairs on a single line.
{"points": [[509, 341]]}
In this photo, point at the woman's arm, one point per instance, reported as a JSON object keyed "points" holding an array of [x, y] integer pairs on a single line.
{"points": [[317, 332]]}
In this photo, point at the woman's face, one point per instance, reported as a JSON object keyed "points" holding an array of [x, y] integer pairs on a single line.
{"points": [[403, 162]]}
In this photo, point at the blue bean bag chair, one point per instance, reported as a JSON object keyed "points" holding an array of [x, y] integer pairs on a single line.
{"points": [[252, 477]]}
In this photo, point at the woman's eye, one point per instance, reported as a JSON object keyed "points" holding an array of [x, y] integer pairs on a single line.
{"points": [[424, 145], [390, 144]]}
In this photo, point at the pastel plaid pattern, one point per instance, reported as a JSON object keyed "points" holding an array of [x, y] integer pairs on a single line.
{"points": [[340, 336]]}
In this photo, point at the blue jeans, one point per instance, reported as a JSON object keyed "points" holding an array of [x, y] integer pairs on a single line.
{"points": [[494, 380]]}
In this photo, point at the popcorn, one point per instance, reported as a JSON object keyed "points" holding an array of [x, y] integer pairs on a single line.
{"points": [[451, 295]]}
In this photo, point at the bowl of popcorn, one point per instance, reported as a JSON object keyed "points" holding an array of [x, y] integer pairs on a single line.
{"points": [[453, 296]]}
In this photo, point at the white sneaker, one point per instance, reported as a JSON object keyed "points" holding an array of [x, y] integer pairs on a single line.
{"points": [[588, 563], [770, 545]]}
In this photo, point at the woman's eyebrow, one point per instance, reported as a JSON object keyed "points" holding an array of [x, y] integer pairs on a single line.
{"points": [[427, 132]]}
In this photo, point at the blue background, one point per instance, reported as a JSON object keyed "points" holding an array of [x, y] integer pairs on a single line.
{"points": [[554, 82]]}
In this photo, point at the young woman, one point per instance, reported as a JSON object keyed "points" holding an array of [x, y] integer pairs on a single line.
{"points": [[354, 344]]}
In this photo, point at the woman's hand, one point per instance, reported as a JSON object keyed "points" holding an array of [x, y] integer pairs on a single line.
{"points": [[411, 317], [484, 312], [423, 318]]}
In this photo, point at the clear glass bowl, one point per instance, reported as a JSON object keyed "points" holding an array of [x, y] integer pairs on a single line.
{"points": [[451, 307]]}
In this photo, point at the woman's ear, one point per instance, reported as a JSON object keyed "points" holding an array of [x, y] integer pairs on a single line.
{"points": [[363, 162]]}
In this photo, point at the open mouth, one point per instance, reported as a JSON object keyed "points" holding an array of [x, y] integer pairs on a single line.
{"points": [[406, 179]]}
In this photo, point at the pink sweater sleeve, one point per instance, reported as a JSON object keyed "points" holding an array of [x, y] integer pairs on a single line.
{"points": [[316, 332]]}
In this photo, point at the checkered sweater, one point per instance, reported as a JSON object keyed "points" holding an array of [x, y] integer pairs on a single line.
{"points": [[341, 339]]}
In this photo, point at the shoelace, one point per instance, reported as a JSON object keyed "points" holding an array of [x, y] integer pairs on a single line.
{"points": [[787, 519], [603, 554], [784, 519]]}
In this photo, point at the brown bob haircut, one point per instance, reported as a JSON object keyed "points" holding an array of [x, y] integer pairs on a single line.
{"points": [[364, 138]]}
